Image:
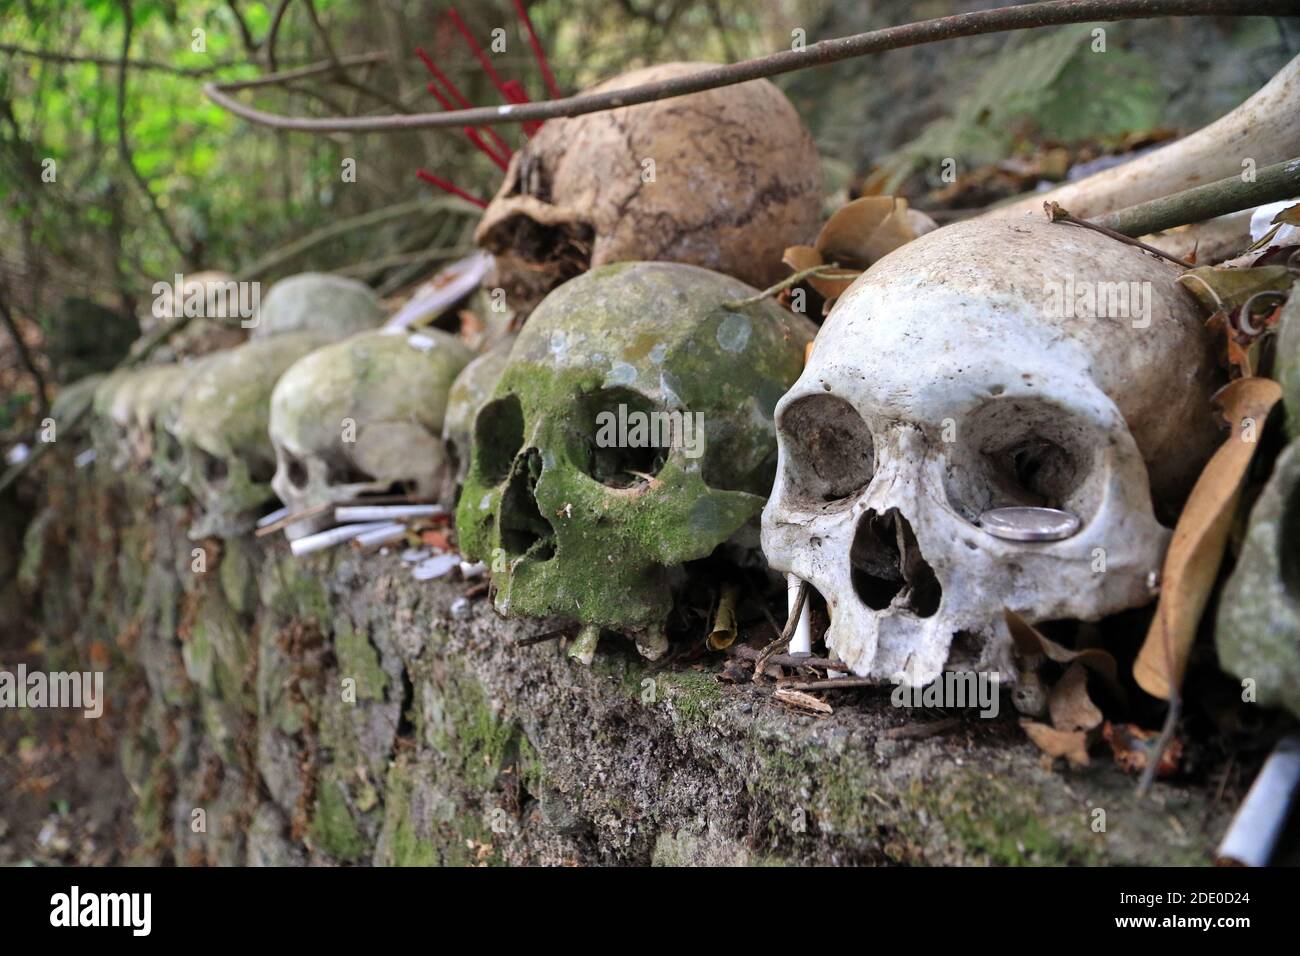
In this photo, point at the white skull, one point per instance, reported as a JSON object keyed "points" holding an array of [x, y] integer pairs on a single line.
{"points": [[967, 371], [363, 416]]}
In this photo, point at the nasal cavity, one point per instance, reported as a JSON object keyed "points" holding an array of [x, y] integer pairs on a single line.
{"points": [[524, 530], [888, 569]]}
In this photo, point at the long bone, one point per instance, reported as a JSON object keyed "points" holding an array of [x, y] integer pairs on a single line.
{"points": [[1264, 129]]}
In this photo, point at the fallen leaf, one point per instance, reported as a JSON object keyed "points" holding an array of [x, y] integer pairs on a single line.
{"points": [[1196, 549], [1069, 704], [1030, 641], [435, 539], [847, 233], [723, 634], [1132, 747], [1290, 216], [801, 701], [1070, 744], [1223, 288]]}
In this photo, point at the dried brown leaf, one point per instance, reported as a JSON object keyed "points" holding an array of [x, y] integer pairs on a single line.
{"points": [[1069, 704], [1196, 550], [1070, 744]]}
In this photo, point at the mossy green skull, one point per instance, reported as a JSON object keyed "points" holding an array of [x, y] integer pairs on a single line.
{"points": [[316, 302], [227, 457], [363, 416], [575, 497], [471, 390]]}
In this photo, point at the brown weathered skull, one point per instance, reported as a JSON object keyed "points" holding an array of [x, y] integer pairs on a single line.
{"points": [[724, 179]]}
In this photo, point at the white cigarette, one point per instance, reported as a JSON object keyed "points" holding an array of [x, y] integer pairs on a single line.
{"points": [[273, 517], [386, 534], [328, 539], [474, 570], [386, 512], [1262, 817], [801, 639]]}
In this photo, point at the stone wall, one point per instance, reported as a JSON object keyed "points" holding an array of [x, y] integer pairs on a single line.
{"points": [[336, 711]]}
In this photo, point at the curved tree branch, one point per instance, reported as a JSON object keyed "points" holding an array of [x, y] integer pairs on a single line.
{"points": [[1025, 17]]}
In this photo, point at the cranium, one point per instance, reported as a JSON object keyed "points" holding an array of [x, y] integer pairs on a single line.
{"points": [[472, 388], [582, 516], [221, 425], [968, 371], [363, 416], [317, 302], [724, 179], [215, 327]]}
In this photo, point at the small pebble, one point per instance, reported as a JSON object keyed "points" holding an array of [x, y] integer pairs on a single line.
{"points": [[461, 609]]}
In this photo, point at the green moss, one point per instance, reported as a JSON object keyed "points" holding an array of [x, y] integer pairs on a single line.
{"points": [[332, 825], [645, 334], [358, 659], [473, 737], [1006, 825]]}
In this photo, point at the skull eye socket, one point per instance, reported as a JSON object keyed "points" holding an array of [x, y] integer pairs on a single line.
{"points": [[1012, 452], [215, 470], [829, 455], [296, 472], [498, 438], [626, 438]]}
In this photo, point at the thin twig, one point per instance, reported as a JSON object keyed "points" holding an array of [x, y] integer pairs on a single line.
{"points": [[1023, 17], [1157, 750], [1271, 184], [745, 652], [783, 639], [124, 147], [144, 66], [787, 282], [1056, 214], [555, 634], [273, 32], [25, 357]]}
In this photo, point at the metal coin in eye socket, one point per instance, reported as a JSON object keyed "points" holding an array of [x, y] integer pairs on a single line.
{"points": [[1029, 524]]}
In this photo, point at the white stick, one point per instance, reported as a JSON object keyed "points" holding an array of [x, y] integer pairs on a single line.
{"points": [[1263, 130], [328, 539], [386, 534], [801, 639], [273, 517], [386, 512], [1262, 817]]}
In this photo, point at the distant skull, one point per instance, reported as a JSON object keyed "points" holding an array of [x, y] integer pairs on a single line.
{"points": [[363, 416], [725, 179], [471, 390], [317, 302], [630, 432], [221, 426], [208, 296], [984, 365]]}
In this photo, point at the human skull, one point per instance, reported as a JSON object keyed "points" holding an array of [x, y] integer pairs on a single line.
{"points": [[221, 425], [317, 302], [207, 296], [966, 371], [471, 390], [590, 520], [725, 179], [363, 416]]}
